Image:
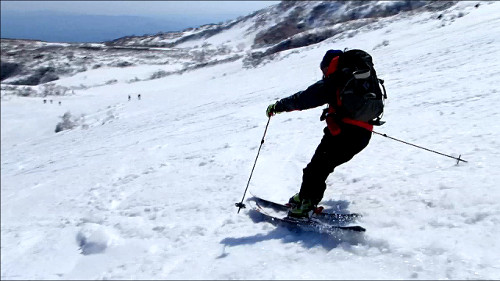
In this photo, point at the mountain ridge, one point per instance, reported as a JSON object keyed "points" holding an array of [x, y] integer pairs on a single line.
{"points": [[255, 38]]}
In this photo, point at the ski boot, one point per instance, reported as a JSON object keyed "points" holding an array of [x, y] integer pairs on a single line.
{"points": [[300, 208]]}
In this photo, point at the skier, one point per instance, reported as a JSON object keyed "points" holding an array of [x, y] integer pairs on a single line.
{"points": [[343, 137]]}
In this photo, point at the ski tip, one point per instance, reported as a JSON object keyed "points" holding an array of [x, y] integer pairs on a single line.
{"points": [[355, 228]]}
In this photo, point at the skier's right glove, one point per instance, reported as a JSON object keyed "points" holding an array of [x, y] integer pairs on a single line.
{"points": [[271, 110]]}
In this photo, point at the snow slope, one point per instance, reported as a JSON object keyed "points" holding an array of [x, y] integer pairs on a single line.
{"points": [[145, 189]]}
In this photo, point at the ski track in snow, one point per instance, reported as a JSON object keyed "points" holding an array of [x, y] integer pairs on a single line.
{"points": [[147, 190]]}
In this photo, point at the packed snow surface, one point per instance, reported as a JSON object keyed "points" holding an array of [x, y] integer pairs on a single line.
{"points": [[145, 189]]}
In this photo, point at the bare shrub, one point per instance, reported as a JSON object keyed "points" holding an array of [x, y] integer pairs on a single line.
{"points": [[66, 123], [159, 74]]}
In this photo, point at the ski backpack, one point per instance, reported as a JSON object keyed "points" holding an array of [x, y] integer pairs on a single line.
{"points": [[359, 95]]}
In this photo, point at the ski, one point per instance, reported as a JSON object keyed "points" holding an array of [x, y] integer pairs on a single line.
{"points": [[322, 216], [310, 224]]}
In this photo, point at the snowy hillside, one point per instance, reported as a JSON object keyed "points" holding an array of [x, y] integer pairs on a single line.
{"points": [[145, 189]]}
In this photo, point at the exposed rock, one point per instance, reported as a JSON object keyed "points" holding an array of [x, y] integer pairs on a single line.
{"points": [[9, 69]]}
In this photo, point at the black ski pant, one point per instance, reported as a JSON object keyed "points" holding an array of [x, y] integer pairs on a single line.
{"points": [[330, 153]]}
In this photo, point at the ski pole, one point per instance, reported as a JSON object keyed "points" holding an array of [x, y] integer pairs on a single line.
{"points": [[240, 204], [458, 159]]}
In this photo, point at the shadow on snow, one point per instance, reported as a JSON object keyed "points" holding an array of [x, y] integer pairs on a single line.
{"points": [[308, 239]]}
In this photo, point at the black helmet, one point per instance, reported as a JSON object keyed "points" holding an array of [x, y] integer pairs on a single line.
{"points": [[327, 58]]}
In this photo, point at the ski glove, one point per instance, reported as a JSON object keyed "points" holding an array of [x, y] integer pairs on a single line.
{"points": [[271, 110]]}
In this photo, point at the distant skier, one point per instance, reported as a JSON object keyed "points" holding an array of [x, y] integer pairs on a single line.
{"points": [[344, 136], [128, 97], [139, 96], [44, 101]]}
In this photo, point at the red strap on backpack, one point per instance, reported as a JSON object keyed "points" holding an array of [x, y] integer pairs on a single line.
{"points": [[358, 123]]}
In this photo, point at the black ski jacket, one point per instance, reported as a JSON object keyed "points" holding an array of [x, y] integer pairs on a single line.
{"points": [[318, 94]]}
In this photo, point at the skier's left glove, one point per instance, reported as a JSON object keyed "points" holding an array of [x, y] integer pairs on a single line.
{"points": [[271, 110]]}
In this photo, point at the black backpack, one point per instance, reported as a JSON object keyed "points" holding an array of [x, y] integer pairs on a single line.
{"points": [[359, 94]]}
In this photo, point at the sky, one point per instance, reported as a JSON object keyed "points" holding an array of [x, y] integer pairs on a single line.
{"points": [[96, 21], [141, 8]]}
